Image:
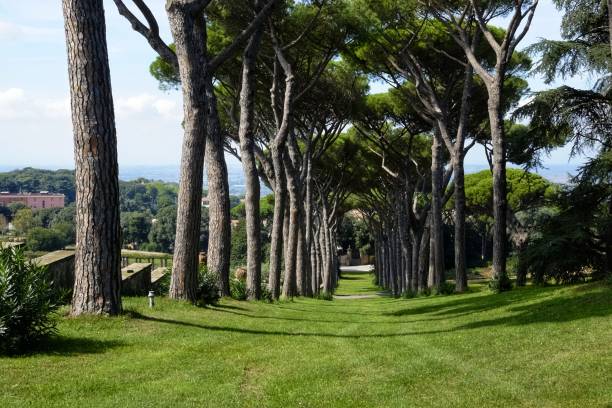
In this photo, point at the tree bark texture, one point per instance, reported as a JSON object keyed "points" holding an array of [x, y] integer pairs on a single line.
{"points": [[276, 240], [500, 205], [246, 136], [98, 232], [290, 281], [219, 225], [437, 244], [461, 282], [189, 34]]}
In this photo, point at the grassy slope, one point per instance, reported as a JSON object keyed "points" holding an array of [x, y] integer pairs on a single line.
{"points": [[530, 347]]}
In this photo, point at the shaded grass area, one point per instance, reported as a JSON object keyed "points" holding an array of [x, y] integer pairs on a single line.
{"points": [[529, 347]]}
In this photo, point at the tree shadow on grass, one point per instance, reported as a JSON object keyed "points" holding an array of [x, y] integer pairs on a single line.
{"points": [[466, 305], [299, 319], [555, 310], [523, 306], [67, 347], [231, 307], [228, 329]]}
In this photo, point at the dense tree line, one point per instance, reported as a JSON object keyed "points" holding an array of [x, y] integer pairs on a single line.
{"points": [[283, 85]]}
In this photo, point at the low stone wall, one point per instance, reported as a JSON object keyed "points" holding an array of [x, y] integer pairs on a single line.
{"points": [[156, 277], [136, 279], [11, 244], [60, 265]]}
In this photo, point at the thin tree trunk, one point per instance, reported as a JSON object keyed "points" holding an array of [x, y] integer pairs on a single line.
{"points": [[246, 136], [610, 24], [219, 225], [98, 232], [437, 245], [290, 284], [416, 247], [189, 33], [424, 259], [461, 282], [499, 184], [311, 288], [276, 242]]}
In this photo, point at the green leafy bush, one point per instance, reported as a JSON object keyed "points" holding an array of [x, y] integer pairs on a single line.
{"points": [[502, 284], [238, 289], [27, 302], [409, 294], [325, 296], [208, 288], [46, 239], [266, 295], [446, 288]]}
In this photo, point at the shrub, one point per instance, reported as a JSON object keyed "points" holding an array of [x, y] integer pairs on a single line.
{"points": [[266, 295], [208, 288], [162, 287], [409, 294], [503, 284], [425, 292], [325, 296], [45, 239], [446, 288], [26, 302], [238, 289]]}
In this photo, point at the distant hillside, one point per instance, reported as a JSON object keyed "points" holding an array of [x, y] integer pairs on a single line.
{"points": [[30, 180], [133, 193]]}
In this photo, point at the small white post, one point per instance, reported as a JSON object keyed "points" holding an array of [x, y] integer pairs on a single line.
{"points": [[151, 298]]}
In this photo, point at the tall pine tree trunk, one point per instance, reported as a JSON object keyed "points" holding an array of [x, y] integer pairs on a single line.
{"points": [[246, 136], [459, 195], [437, 246], [276, 239], [500, 205], [98, 234], [189, 34], [219, 225], [290, 282]]}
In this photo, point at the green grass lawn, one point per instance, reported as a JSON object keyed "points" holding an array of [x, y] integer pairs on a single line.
{"points": [[539, 347]]}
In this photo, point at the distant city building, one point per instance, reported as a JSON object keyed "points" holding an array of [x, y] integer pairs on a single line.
{"points": [[44, 199]]}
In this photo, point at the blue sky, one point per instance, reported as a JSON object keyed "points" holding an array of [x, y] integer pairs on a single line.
{"points": [[35, 127]]}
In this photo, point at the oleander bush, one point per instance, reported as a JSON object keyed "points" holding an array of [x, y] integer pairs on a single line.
{"points": [[27, 302]]}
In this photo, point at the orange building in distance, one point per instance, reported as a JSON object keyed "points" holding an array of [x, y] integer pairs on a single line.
{"points": [[36, 201]]}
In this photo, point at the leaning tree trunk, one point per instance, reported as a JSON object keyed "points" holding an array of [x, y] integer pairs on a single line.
{"points": [[499, 183], [189, 34], [98, 232], [461, 282], [219, 225], [246, 136]]}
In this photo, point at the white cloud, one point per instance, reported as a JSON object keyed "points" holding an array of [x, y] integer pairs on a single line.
{"points": [[15, 104], [10, 31], [167, 108], [147, 104]]}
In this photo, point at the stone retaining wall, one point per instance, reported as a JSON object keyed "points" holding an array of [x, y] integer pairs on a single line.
{"points": [[60, 265], [136, 279]]}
